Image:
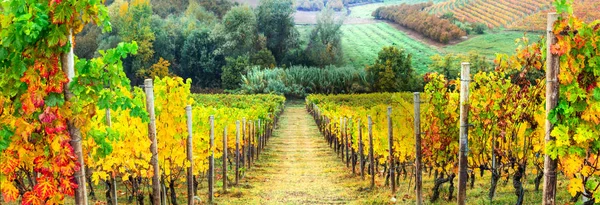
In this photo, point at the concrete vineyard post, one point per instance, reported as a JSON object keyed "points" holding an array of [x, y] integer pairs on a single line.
{"points": [[211, 160], [225, 159], [237, 152], [418, 172], [371, 157], [552, 69], [464, 132], [190, 169], [149, 89], [391, 149]]}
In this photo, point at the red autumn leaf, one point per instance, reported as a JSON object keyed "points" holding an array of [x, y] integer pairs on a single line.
{"points": [[45, 187], [29, 198], [68, 186]]}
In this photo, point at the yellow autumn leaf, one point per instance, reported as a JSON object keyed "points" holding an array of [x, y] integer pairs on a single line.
{"points": [[571, 164], [575, 186]]}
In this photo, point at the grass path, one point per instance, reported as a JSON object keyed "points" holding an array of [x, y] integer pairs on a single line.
{"points": [[297, 167]]}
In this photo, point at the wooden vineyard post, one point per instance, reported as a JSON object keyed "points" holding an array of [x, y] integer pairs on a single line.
{"points": [[360, 151], [346, 142], [250, 145], [418, 172], [190, 169], [353, 153], [254, 143], [371, 157], [552, 69], [211, 160], [68, 67], [114, 180], [237, 152], [225, 159], [341, 137], [245, 143], [152, 134], [391, 149], [260, 139], [464, 132]]}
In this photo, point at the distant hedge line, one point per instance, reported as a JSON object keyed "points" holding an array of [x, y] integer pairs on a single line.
{"points": [[413, 17]]}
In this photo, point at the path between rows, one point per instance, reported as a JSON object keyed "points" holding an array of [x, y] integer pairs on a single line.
{"points": [[297, 167]]}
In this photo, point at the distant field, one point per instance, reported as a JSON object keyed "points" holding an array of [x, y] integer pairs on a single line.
{"points": [[492, 43], [493, 13], [362, 43]]}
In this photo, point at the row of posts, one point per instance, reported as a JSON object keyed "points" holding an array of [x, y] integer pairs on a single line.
{"points": [[254, 137], [550, 165], [344, 145]]}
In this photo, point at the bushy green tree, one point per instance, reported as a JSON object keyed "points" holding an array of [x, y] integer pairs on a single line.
{"points": [[275, 20], [325, 44], [86, 41], [237, 31], [263, 58], [199, 61], [392, 71], [164, 8], [218, 7], [134, 24], [198, 12], [450, 64], [233, 71]]}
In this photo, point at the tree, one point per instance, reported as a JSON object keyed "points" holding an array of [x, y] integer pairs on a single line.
{"points": [[325, 44], [449, 65], [276, 22], [199, 61], [218, 7], [159, 69], [164, 8], [263, 58], [233, 71], [237, 31], [200, 13], [392, 71], [86, 41], [135, 25]]}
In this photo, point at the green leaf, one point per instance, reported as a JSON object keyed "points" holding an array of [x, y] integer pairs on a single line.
{"points": [[55, 99], [597, 93], [5, 134]]}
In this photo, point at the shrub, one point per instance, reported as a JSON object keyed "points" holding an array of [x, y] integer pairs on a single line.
{"points": [[392, 71], [413, 17], [233, 71], [298, 81]]}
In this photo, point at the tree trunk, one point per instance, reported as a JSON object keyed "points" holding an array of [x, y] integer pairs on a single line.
{"points": [[173, 194], [495, 178], [538, 180], [518, 185], [451, 187], [436, 187]]}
